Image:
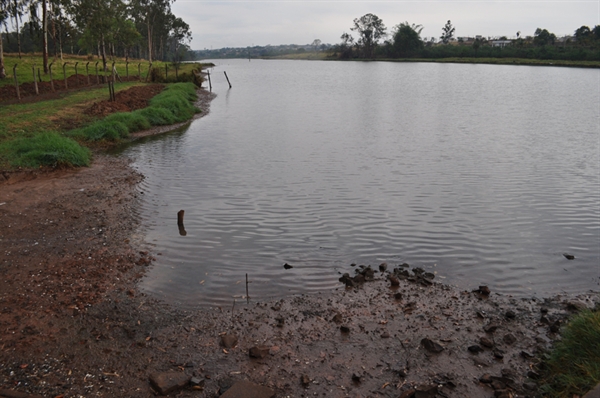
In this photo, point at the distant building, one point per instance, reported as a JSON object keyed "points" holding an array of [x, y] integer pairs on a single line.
{"points": [[501, 43]]}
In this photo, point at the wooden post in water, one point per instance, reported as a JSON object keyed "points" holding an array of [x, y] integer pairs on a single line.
{"points": [[65, 74], [209, 82], [37, 91], [227, 79], [182, 230], [16, 82], [51, 79]]}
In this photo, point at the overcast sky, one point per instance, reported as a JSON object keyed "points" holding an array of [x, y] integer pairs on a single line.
{"points": [[240, 23]]}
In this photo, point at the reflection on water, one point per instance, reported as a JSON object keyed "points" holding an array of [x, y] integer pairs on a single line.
{"points": [[479, 173]]}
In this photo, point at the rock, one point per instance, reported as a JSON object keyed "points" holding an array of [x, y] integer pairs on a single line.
{"points": [[426, 391], [385, 335], [305, 380], [197, 383], [287, 266], [337, 318], [260, 351], [486, 378], [497, 384], [509, 338], [369, 274], [490, 328], [408, 393], [398, 296], [510, 314], [246, 389], [382, 267], [344, 329], [359, 279], [401, 273], [555, 327], [428, 275], [475, 349], [576, 305], [393, 280], [418, 271], [229, 340], [484, 290], [526, 354], [168, 382], [484, 341], [530, 386], [431, 346], [569, 256], [347, 280], [498, 354]]}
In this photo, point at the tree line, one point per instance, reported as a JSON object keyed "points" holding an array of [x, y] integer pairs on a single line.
{"points": [[404, 41], [107, 28]]}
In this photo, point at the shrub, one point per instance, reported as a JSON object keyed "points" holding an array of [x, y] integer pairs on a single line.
{"points": [[102, 130], [134, 121], [47, 149]]}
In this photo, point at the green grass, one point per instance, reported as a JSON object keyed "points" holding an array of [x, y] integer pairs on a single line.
{"points": [[573, 366], [25, 63], [172, 105], [46, 149]]}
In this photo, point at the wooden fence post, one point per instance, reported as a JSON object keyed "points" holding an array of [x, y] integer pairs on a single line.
{"points": [[87, 73], [127, 70], [37, 91], [148, 75], [51, 79], [166, 71], [227, 79], [16, 82], [140, 71], [97, 77], [209, 82], [65, 74], [76, 74]]}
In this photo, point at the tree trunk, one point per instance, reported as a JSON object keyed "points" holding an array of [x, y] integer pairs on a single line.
{"points": [[103, 52], [17, 29], [45, 35], [149, 40], [2, 70]]}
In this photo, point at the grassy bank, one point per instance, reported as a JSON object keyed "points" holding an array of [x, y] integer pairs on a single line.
{"points": [[33, 134], [455, 60], [26, 62], [572, 368]]}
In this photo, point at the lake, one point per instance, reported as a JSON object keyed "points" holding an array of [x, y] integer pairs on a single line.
{"points": [[482, 174]]}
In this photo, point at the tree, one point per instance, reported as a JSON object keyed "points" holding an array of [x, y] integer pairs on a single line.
{"points": [[583, 35], [447, 32], [316, 43], [542, 37], [407, 39], [3, 17], [371, 29]]}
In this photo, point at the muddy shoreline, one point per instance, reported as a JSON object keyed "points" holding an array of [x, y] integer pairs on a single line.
{"points": [[72, 322]]}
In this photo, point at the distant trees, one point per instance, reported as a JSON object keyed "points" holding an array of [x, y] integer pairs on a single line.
{"points": [[407, 39], [542, 37], [370, 29], [447, 32]]}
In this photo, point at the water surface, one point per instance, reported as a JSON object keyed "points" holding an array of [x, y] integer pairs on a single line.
{"points": [[484, 174]]}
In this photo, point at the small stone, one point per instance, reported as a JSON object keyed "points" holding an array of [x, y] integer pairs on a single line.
{"points": [[410, 393], [530, 386], [498, 354], [385, 335], [490, 328], [484, 290], [337, 318], [260, 351], [509, 338], [196, 382], [359, 279], [229, 340], [287, 266], [526, 354], [569, 256], [498, 385], [431, 346], [382, 267], [486, 378], [168, 382], [475, 349], [510, 314], [246, 389], [484, 341], [393, 280], [344, 329], [398, 296], [305, 380]]}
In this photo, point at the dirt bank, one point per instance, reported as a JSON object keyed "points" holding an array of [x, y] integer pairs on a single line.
{"points": [[73, 324]]}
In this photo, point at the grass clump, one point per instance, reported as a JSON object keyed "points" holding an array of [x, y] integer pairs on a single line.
{"points": [[46, 149], [174, 104], [573, 366]]}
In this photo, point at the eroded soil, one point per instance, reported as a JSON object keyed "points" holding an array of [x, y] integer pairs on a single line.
{"points": [[72, 322]]}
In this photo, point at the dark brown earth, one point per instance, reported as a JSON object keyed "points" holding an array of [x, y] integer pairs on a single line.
{"points": [[72, 322]]}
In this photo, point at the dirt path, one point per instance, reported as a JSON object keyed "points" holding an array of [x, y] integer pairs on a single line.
{"points": [[73, 324]]}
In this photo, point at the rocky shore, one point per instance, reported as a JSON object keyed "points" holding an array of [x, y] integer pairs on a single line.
{"points": [[72, 322]]}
